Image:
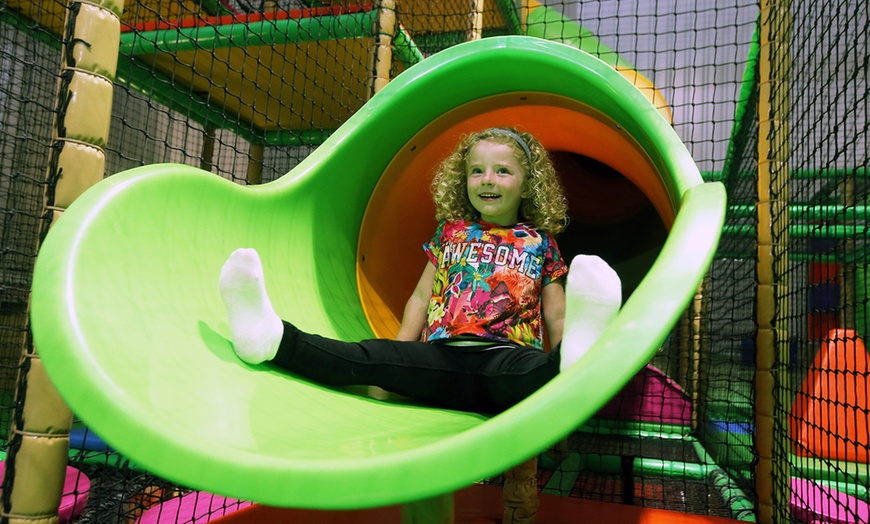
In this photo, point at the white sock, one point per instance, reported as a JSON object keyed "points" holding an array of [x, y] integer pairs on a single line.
{"points": [[593, 295], [256, 328]]}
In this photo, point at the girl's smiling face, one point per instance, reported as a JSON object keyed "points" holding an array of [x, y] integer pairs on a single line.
{"points": [[495, 181]]}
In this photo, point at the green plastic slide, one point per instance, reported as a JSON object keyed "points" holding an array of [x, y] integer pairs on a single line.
{"points": [[127, 318]]}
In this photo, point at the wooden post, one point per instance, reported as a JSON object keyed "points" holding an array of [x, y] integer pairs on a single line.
{"points": [[697, 345], [206, 161], [848, 276], [475, 20], [255, 164], [773, 472], [702, 363], [382, 54], [692, 351]]}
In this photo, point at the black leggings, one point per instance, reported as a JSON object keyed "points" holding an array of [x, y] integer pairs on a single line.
{"points": [[483, 378]]}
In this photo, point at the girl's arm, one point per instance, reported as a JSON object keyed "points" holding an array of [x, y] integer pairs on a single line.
{"points": [[553, 306], [414, 317]]}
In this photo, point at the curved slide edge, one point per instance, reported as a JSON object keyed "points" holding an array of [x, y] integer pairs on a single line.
{"points": [[128, 322]]}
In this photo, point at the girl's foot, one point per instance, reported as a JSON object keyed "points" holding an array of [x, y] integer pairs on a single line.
{"points": [[593, 295], [255, 327]]}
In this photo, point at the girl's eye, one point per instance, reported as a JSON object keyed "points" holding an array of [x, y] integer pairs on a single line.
{"points": [[475, 171], [504, 171]]}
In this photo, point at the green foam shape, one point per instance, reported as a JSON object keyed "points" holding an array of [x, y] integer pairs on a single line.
{"points": [[127, 319]]}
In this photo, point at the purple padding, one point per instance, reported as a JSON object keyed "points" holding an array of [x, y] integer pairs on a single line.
{"points": [[76, 486], [650, 397], [812, 503], [823, 297], [194, 507]]}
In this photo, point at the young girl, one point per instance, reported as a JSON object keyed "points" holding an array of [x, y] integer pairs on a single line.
{"points": [[472, 332]]}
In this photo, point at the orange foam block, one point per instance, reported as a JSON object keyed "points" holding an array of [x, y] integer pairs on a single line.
{"points": [[829, 418]]}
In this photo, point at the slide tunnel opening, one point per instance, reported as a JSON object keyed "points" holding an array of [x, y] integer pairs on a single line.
{"points": [[619, 206]]}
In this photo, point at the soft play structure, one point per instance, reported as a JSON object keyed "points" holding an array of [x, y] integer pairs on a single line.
{"points": [[130, 327], [740, 395]]}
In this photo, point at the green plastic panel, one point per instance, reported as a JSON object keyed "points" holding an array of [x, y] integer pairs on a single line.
{"points": [[127, 318]]}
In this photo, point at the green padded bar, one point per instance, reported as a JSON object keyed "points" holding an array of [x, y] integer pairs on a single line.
{"points": [[127, 318]]}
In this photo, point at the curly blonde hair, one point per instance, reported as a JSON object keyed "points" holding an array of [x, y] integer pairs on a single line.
{"points": [[545, 207]]}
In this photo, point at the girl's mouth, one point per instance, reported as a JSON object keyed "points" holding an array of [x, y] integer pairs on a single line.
{"points": [[488, 196]]}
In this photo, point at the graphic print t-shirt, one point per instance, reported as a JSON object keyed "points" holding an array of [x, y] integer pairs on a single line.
{"points": [[488, 281]]}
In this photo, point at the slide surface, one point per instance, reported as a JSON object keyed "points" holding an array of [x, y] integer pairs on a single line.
{"points": [[127, 319]]}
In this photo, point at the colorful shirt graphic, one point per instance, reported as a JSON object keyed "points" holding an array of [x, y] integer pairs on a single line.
{"points": [[489, 280]]}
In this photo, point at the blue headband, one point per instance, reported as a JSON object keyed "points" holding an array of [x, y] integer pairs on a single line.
{"points": [[517, 138]]}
